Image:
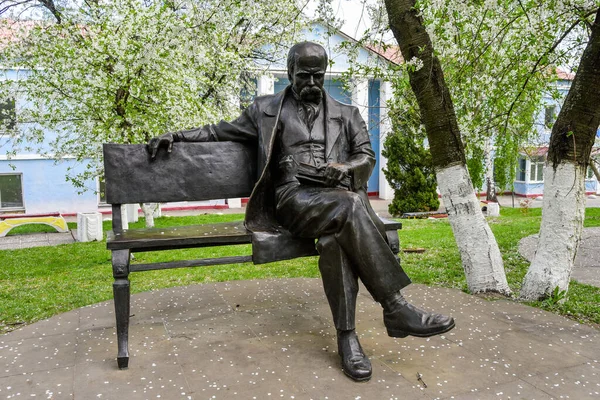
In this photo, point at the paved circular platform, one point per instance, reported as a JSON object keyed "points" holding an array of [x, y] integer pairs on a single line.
{"points": [[273, 339]]}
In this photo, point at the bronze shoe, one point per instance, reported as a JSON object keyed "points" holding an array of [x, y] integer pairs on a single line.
{"points": [[406, 319], [355, 363]]}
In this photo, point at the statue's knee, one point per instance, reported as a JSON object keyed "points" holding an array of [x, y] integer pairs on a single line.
{"points": [[356, 205], [351, 201]]}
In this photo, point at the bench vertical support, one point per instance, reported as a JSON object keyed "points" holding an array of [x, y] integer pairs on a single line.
{"points": [[394, 242], [117, 220], [121, 292]]}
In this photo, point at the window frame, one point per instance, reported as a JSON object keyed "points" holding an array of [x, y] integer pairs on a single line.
{"points": [[536, 168], [9, 209]]}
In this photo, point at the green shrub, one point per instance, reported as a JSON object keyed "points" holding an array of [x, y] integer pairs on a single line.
{"points": [[409, 168]]}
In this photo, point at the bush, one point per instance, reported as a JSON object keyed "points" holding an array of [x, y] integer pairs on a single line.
{"points": [[410, 172]]}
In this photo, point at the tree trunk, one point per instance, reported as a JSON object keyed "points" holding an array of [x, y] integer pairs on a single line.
{"points": [[489, 173], [595, 169], [149, 209], [571, 143], [479, 251]]}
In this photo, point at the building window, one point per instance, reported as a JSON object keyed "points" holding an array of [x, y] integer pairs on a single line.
{"points": [[11, 191], [8, 115], [536, 172], [521, 171], [549, 116]]}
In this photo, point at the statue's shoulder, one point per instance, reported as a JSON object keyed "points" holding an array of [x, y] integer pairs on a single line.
{"points": [[337, 108], [268, 103], [267, 98]]}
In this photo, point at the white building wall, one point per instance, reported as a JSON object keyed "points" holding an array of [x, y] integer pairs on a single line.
{"points": [[385, 190]]}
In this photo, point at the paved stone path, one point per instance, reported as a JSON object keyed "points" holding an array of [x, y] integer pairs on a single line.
{"points": [[35, 240], [587, 262], [273, 339]]}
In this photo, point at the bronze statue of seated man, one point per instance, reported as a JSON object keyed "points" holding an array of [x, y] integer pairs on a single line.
{"points": [[314, 158]]}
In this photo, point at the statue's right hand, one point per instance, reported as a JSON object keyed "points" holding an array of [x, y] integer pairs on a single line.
{"points": [[165, 140]]}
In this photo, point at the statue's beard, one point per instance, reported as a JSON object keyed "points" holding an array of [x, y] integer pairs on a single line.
{"points": [[311, 94]]}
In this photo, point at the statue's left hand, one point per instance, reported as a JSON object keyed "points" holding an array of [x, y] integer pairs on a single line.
{"points": [[164, 140], [335, 172]]}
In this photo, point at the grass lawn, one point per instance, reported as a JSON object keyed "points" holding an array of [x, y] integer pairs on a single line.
{"points": [[39, 282]]}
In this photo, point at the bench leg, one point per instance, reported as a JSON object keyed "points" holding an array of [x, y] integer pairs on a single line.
{"points": [[121, 292], [393, 241]]}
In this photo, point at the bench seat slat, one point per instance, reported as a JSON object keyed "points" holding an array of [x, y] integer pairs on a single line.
{"points": [[391, 225], [190, 263], [179, 237]]}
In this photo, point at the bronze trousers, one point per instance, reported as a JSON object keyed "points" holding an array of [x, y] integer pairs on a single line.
{"points": [[351, 243]]}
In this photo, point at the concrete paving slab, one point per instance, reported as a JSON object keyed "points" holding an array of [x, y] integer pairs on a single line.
{"points": [[586, 268], [517, 389], [56, 384], [35, 240], [578, 382], [519, 354], [195, 342], [578, 339], [587, 275], [38, 354], [60, 324]]}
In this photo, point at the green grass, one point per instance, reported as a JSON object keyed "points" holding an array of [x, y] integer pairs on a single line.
{"points": [[39, 282], [440, 264]]}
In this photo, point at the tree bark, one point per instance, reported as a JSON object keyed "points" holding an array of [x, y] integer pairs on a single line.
{"points": [[479, 251], [489, 173], [595, 169], [149, 209], [571, 143]]}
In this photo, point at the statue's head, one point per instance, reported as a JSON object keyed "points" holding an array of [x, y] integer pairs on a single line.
{"points": [[307, 63]]}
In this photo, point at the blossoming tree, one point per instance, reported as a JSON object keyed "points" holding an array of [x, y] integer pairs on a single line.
{"points": [[126, 70], [571, 142], [498, 55]]}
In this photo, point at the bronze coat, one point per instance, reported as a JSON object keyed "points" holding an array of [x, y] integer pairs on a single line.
{"points": [[346, 141]]}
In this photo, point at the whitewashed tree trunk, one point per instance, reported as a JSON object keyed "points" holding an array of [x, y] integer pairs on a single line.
{"points": [[479, 252], [149, 210], [124, 217], [571, 142], [489, 172], [560, 232]]}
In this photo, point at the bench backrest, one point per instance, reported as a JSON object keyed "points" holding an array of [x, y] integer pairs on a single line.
{"points": [[191, 172]]}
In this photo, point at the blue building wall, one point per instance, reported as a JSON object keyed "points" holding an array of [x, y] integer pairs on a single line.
{"points": [[45, 188], [531, 189], [44, 184]]}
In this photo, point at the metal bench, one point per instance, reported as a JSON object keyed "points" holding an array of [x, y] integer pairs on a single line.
{"points": [[191, 172]]}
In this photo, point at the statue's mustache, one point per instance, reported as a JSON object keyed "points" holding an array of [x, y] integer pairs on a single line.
{"points": [[310, 92]]}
